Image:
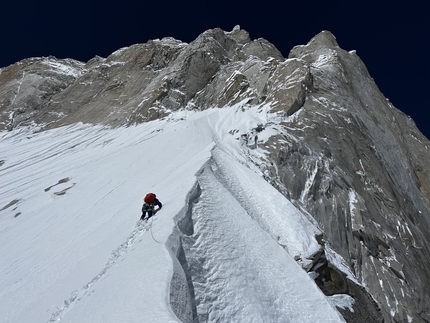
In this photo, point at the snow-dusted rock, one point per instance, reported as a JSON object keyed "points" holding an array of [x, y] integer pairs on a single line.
{"points": [[27, 86], [360, 168]]}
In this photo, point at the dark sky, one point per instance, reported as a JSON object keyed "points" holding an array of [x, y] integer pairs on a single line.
{"points": [[391, 37]]}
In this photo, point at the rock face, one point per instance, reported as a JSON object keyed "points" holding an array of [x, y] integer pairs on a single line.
{"points": [[342, 153], [139, 83], [27, 86], [146, 81], [360, 168]]}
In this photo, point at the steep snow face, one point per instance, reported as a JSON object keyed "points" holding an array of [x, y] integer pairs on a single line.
{"points": [[239, 271], [72, 248]]}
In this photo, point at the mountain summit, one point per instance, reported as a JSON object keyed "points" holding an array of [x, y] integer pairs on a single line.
{"points": [[349, 172]]}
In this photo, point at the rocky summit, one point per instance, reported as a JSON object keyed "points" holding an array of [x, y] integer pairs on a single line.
{"points": [[344, 155]]}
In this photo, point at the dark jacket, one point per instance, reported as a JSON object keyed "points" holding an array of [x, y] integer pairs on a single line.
{"points": [[150, 208]]}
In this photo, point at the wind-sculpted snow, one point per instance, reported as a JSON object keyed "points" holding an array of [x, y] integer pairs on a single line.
{"points": [[239, 272], [275, 214], [71, 251]]}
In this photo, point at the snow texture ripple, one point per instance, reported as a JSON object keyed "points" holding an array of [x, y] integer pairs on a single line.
{"points": [[239, 272]]}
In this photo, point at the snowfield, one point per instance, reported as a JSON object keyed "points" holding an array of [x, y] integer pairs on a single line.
{"points": [[222, 248]]}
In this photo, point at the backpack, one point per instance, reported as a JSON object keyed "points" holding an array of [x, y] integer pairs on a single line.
{"points": [[149, 198]]}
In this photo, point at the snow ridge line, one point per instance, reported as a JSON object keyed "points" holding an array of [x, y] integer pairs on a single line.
{"points": [[114, 258]]}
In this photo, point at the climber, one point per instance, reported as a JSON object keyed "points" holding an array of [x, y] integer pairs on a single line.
{"points": [[148, 206]]}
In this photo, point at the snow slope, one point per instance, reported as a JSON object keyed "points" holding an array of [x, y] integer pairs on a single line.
{"points": [[72, 248]]}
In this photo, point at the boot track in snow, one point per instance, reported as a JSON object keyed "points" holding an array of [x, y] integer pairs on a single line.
{"points": [[115, 257]]}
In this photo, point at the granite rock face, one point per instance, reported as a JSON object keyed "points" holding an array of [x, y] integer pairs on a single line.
{"points": [[342, 153], [27, 86], [138, 83], [360, 168]]}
